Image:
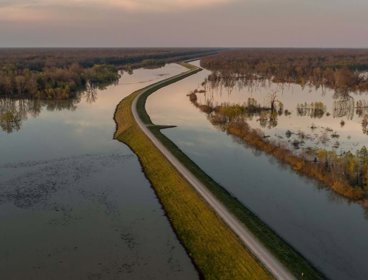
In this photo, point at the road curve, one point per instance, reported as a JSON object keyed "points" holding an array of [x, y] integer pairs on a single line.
{"points": [[273, 265]]}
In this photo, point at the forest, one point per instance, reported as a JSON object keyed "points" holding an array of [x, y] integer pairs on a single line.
{"points": [[338, 69], [53, 82], [62, 73]]}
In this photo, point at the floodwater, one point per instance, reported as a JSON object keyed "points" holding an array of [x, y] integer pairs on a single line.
{"points": [[328, 230], [74, 203], [306, 115]]}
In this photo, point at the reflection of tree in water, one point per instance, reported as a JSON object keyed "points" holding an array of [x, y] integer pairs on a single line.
{"points": [[361, 108], [215, 84], [90, 94], [313, 110], [343, 106], [14, 111], [226, 113], [365, 124], [268, 119], [219, 81], [10, 122]]}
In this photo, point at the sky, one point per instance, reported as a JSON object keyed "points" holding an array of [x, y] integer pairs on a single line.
{"points": [[184, 23]]}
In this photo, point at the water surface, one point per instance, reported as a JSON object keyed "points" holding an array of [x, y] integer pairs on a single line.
{"points": [[310, 116], [328, 230], [74, 203]]}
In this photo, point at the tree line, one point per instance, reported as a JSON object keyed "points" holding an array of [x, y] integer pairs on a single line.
{"points": [[62, 73], [342, 70], [53, 82]]}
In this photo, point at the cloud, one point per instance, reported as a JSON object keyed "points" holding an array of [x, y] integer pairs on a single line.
{"points": [[128, 5], [20, 13], [164, 5], [51, 10]]}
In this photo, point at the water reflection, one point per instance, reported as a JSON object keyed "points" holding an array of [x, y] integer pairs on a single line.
{"points": [[343, 106], [326, 229], [13, 112], [313, 110], [301, 108], [74, 203]]}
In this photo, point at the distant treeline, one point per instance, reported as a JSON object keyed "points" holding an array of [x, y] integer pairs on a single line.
{"points": [[62, 73], [38, 59], [340, 69]]}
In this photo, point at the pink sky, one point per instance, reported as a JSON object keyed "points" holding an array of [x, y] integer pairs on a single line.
{"points": [[147, 23]]}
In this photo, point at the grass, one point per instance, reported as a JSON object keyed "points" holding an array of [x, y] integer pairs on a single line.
{"points": [[292, 259], [214, 248], [296, 263]]}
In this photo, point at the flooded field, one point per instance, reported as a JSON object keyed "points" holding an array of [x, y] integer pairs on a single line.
{"points": [[328, 230], [74, 203], [305, 117]]}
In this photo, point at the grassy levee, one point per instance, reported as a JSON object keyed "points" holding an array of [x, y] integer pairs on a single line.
{"points": [[213, 247], [293, 260]]}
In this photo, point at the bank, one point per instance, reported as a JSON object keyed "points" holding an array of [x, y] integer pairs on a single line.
{"points": [[213, 247]]}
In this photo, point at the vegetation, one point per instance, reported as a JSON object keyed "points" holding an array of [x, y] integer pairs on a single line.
{"points": [[38, 59], [341, 70], [333, 68], [63, 73], [57, 78], [53, 83], [9, 122], [214, 248], [314, 109], [14, 111], [286, 254], [346, 174]]}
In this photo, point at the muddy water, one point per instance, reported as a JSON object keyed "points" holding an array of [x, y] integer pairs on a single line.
{"points": [[74, 204], [329, 231]]}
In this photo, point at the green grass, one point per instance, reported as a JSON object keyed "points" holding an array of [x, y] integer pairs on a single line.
{"points": [[213, 247], [294, 261]]}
